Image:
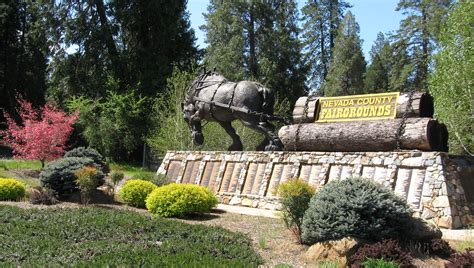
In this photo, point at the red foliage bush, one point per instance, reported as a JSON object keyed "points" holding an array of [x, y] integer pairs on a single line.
{"points": [[387, 249], [461, 260], [42, 134], [440, 248]]}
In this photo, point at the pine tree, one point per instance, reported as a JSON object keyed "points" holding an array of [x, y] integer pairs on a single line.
{"points": [[281, 64], [23, 53], [156, 36], [321, 21], [419, 30], [401, 68], [256, 40], [120, 41], [378, 73], [345, 75], [87, 67], [224, 36]]}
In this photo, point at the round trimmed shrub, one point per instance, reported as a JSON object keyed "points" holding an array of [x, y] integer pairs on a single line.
{"points": [[91, 153], [357, 208], [134, 192], [176, 200], [11, 189], [59, 175]]}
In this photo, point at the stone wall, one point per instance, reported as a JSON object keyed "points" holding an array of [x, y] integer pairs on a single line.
{"points": [[438, 187]]}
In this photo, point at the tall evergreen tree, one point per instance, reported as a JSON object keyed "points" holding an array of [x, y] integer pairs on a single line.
{"points": [[281, 64], [256, 40], [377, 76], [401, 68], [419, 30], [321, 21], [225, 39], [347, 68], [156, 35], [120, 42], [23, 53], [92, 60]]}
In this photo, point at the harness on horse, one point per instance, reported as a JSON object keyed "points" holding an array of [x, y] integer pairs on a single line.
{"points": [[203, 84]]}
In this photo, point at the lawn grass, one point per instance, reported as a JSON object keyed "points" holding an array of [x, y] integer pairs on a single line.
{"points": [[9, 169], [94, 236], [131, 170], [7, 164]]}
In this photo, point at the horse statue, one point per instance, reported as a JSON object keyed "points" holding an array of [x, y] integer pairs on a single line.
{"points": [[212, 97]]}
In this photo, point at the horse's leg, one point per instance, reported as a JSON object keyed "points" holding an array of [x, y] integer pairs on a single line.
{"points": [[266, 129], [236, 143]]}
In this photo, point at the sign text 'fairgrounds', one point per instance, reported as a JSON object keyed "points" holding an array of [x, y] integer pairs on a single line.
{"points": [[357, 107]]}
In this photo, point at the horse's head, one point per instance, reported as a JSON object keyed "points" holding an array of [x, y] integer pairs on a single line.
{"points": [[193, 121]]}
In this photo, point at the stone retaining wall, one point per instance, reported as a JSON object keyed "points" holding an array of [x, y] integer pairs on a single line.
{"points": [[438, 187]]}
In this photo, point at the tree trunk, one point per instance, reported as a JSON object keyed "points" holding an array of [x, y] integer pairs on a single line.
{"points": [[252, 52], [117, 66], [422, 106], [324, 60], [374, 135]]}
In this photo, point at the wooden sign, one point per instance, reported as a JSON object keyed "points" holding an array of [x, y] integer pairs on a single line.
{"points": [[357, 107]]}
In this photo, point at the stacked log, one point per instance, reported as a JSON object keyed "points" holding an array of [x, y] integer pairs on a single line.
{"points": [[373, 135], [422, 106], [299, 114], [413, 128]]}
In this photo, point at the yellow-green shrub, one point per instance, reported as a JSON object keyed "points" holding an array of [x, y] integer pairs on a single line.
{"points": [[87, 178], [175, 200], [134, 192], [11, 189], [295, 195]]}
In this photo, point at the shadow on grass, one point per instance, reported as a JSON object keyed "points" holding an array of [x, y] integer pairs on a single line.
{"points": [[200, 217], [98, 197]]}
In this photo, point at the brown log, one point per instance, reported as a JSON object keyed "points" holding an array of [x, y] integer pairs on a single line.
{"points": [[373, 135], [443, 137], [422, 106], [298, 112]]}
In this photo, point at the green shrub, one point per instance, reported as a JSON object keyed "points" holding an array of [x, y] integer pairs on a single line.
{"points": [[175, 200], [157, 179], [134, 192], [160, 179], [295, 196], [379, 263], [59, 175], [11, 189], [357, 208], [87, 182], [143, 175], [116, 177], [91, 153]]}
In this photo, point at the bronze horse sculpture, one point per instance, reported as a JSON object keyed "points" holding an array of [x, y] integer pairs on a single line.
{"points": [[212, 97]]}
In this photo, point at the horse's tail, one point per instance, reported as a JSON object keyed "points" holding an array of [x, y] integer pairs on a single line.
{"points": [[268, 99]]}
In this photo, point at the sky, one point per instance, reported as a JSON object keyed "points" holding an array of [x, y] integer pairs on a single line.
{"points": [[373, 16]]}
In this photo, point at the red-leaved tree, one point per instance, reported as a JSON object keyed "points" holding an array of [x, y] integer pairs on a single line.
{"points": [[42, 134]]}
